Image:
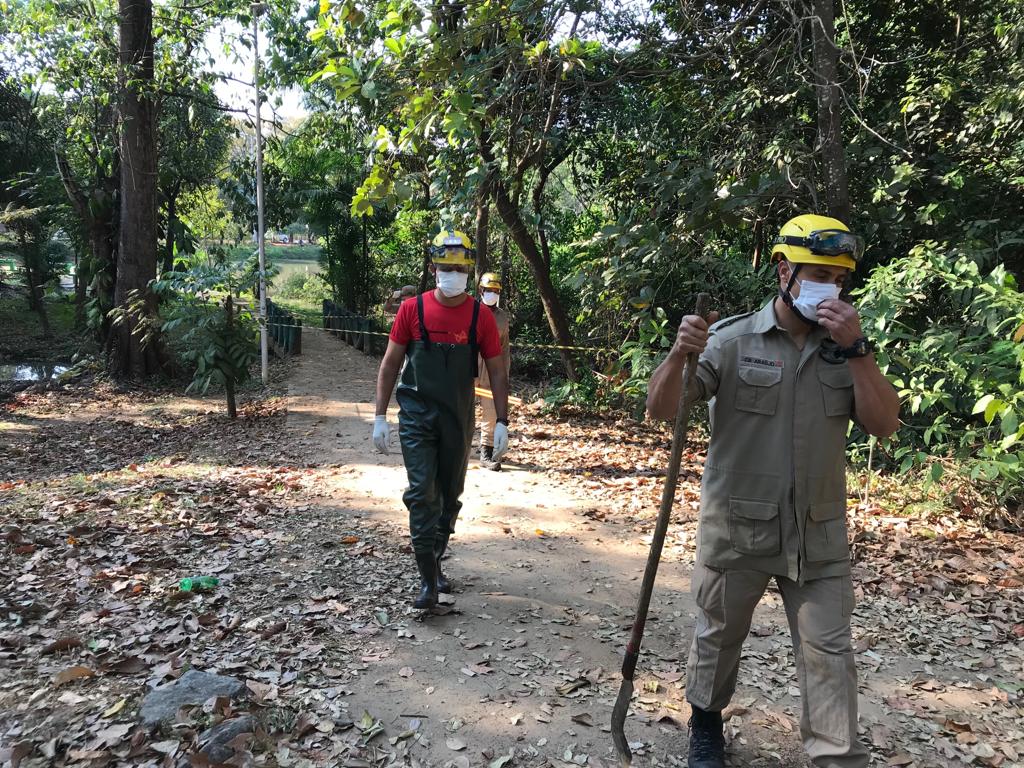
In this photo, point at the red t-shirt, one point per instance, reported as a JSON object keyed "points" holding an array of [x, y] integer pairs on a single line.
{"points": [[447, 325]]}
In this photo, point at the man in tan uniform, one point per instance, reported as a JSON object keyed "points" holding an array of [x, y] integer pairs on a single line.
{"points": [[783, 383], [490, 295]]}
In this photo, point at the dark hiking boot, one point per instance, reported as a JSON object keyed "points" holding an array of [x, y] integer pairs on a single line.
{"points": [[487, 458], [707, 741], [427, 565], [443, 585]]}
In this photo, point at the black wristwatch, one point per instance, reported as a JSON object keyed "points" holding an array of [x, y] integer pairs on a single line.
{"points": [[502, 421], [860, 348]]}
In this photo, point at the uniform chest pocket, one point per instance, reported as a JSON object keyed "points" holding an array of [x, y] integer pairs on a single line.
{"points": [[757, 390], [836, 389]]}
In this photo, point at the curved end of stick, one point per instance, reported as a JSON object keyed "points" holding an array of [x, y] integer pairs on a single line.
{"points": [[619, 712]]}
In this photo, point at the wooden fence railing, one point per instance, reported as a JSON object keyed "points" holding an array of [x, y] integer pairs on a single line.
{"points": [[364, 333], [285, 329]]}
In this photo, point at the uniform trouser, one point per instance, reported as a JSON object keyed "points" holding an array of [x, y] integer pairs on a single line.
{"points": [[489, 417], [819, 622], [436, 453]]}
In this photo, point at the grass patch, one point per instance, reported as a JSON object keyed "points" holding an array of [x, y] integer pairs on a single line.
{"points": [[274, 253], [309, 311], [22, 337]]}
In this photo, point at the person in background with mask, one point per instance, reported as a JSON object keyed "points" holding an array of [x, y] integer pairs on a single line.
{"points": [[490, 296], [442, 334], [783, 383], [395, 299]]}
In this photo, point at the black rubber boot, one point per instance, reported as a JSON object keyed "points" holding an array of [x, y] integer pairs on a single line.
{"points": [[487, 458], [707, 741], [427, 565], [443, 585]]}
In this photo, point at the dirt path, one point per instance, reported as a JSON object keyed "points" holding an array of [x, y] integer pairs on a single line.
{"points": [[529, 662]]}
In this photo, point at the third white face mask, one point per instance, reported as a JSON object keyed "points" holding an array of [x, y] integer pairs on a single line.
{"points": [[452, 284], [811, 295], [490, 298]]}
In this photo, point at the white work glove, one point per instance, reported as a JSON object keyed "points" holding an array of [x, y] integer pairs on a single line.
{"points": [[381, 433], [500, 441]]}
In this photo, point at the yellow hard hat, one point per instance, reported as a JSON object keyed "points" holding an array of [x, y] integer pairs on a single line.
{"points": [[813, 239], [452, 247], [490, 281]]}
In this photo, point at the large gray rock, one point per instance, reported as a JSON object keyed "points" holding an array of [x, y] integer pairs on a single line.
{"points": [[213, 742], [194, 687]]}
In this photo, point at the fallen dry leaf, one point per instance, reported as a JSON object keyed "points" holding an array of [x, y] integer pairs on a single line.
{"points": [[72, 673], [62, 644]]}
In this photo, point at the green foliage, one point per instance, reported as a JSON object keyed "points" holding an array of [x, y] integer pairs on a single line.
{"points": [[207, 216], [220, 346], [274, 253], [948, 333], [310, 289], [399, 248]]}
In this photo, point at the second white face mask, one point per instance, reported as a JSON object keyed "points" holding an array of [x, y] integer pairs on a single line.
{"points": [[451, 284], [490, 298], [811, 295]]}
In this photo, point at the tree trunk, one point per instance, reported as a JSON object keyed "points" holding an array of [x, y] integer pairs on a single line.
{"points": [[229, 380], [137, 246], [830, 136], [102, 270], [364, 287], [483, 219], [172, 220], [553, 310], [79, 292], [424, 272], [508, 289], [98, 272], [32, 277], [758, 245]]}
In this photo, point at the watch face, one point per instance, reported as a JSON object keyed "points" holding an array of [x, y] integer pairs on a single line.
{"points": [[859, 348]]}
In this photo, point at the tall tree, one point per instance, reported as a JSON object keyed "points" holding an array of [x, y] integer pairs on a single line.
{"points": [[26, 206], [491, 100], [826, 88], [137, 248], [194, 140], [72, 49]]}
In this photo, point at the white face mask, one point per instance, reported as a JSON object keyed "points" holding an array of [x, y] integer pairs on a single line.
{"points": [[811, 295], [490, 298], [451, 284]]}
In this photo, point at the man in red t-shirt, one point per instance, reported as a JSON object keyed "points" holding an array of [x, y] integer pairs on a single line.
{"points": [[441, 334]]}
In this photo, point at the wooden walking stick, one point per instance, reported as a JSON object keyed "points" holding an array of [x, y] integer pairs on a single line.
{"points": [[654, 557]]}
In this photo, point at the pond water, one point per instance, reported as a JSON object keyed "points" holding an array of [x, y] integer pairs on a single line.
{"points": [[287, 268], [31, 371]]}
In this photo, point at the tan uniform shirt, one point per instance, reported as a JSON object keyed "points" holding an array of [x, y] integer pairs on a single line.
{"points": [[773, 496], [502, 319]]}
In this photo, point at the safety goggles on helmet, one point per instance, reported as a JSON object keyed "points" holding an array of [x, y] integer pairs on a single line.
{"points": [[827, 242], [451, 254]]}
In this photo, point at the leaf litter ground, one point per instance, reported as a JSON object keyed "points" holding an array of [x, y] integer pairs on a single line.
{"points": [[111, 497]]}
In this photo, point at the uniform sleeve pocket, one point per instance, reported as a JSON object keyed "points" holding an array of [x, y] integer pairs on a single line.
{"points": [[836, 389], [826, 533], [754, 527], [757, 390]]}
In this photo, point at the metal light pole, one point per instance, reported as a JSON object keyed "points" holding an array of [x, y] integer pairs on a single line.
{"points": [[257, 10]]}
